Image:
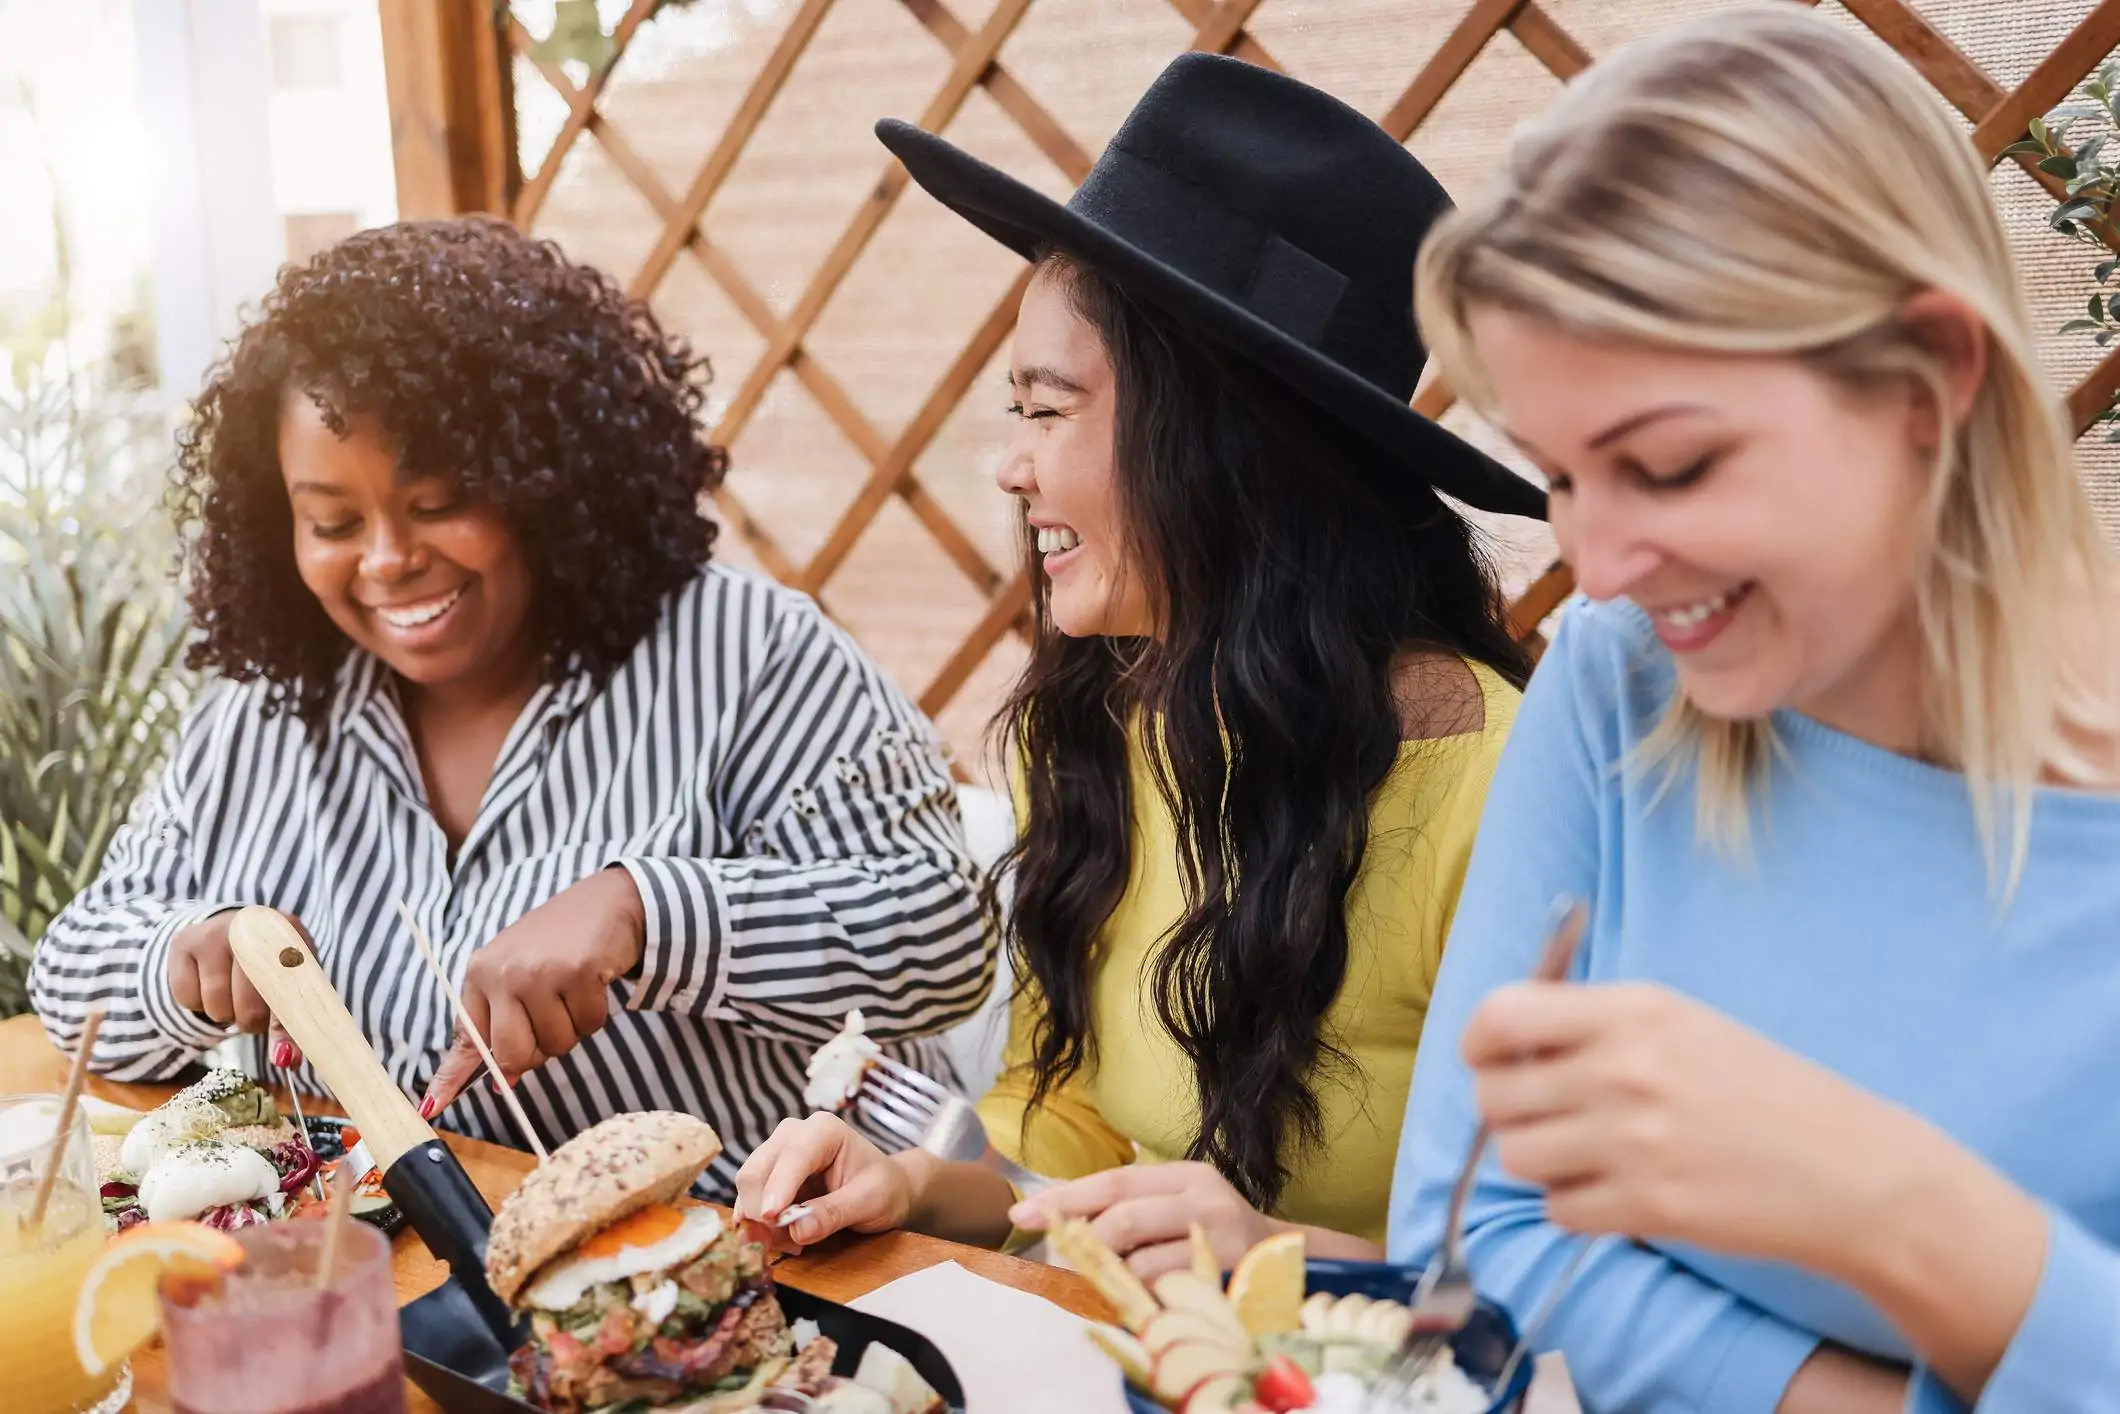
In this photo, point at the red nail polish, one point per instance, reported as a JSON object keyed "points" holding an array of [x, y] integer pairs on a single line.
{"points": [[427, 1107], [283, 1054]]}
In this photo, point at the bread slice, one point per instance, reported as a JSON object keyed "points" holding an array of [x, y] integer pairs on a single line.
{"points": [[599, 1176]]}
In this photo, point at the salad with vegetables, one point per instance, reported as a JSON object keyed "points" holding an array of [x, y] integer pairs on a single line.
{"points": [[217, 1152], [1258, 1346]]}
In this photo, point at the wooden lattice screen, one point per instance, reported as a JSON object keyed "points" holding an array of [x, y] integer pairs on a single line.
{"points": [[450, 79]]}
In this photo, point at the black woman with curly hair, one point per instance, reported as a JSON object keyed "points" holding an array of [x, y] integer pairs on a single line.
{"points": [[663, 822], [1270, 685]]}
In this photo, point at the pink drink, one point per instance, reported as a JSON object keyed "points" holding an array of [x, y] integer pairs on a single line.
{"points": [[268, 1340]]}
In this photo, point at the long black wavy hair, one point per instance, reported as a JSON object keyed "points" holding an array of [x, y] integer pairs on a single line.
{"points": [[530, 381], [1290, 567]]}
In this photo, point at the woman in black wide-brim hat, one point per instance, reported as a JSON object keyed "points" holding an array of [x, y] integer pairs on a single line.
{"points": [[1270, 683]]}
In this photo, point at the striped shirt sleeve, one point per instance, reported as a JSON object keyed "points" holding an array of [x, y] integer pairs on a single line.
{"points": [[849, 887], [110, 946]]}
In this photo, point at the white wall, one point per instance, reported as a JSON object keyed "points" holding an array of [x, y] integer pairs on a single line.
{"points": [[218, 242], [331, 143]]}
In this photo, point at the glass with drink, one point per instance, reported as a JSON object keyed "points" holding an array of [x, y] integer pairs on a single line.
{"points": [[42, 1264], [266, 1338]]}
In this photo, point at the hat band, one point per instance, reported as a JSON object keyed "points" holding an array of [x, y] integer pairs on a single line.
{"points": [[1182, 225]]}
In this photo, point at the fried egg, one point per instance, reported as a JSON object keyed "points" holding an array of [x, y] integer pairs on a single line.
{"points": [[654, 1240]]}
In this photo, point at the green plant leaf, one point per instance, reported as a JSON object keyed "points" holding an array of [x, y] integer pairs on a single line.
{"points": [[2038, 129], [2072, 211], [2059, 165], [2024, 147]]}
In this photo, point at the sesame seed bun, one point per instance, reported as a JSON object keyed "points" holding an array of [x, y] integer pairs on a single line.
{"points": [[606, 1172]]}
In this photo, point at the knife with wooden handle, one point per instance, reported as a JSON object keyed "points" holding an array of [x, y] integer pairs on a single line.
{"points": [[438, 1198]]}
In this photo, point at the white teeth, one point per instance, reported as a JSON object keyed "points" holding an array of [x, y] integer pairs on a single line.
{"points": [[1053, 540], [1694, 615], [426, 613]]}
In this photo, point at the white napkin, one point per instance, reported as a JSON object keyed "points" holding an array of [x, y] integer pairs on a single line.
{"points": [[1014, 1353]]}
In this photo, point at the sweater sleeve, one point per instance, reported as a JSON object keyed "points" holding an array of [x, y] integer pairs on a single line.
{"points": [[2065, 1356], [850, 885], [1641, 1334], [110, 946]]}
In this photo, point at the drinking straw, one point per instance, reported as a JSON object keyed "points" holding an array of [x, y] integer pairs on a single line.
{"points": [[463, 1018], [68, 1103], [335, 1219]]}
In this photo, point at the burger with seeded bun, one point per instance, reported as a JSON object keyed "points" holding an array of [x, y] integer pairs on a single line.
{"points": [[639, 1301]]}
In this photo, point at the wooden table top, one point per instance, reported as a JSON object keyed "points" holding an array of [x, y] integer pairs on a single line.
{"points": [[839, 1270]]}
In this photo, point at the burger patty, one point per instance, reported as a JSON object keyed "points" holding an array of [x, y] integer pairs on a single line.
{"points": [[603, 1351]]}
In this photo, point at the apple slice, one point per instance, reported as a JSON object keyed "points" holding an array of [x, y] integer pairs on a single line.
{"points": [[1217, 1394], [1183, 1291], [1177, 1369], [1129, 1354], [1172, 1325]]}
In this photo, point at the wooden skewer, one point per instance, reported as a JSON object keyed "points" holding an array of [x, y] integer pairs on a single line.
{"points": [[463, 1019], [68, 1103], [335, 1219]]}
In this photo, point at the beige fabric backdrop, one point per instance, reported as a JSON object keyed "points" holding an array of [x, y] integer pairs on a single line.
{"points": [[926, 280]]}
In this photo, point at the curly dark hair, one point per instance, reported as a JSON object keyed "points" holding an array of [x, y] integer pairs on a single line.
{"points": [[531, 381]]}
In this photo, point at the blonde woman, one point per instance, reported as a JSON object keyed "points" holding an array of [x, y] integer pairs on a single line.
{"points": [[1831, 749]]}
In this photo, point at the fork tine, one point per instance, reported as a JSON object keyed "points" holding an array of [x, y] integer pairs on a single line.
{"points": [[916, 1101], [905, 1074], [918, 1115], [894, 1123]]}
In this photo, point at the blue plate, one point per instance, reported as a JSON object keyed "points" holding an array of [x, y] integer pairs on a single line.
{"points": [[1481, 1349]]}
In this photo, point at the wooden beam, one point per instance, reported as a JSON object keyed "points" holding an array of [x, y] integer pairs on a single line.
{"points": [[1201, 13], [1007, 606], [1433, 399], [830, 396], [452, 127], [1014, 99], [1544, 596], [1224, 29], [1463, 45], [894, 469], [765, 87], [581, 106], [1961, 81], [972, 61], [1551, 45], [2095, 393], [2052, 81]]}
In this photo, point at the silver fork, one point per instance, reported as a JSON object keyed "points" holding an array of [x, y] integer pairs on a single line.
{"points": [[294, 1097], [930, 1116], [1444, 1299]]}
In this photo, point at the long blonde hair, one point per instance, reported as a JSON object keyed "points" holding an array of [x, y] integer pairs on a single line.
{"points": [[1759, 182]]}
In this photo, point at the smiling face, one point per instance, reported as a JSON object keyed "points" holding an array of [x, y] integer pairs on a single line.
{"points": [[1062, 465], [433, 585], [1768, 518]]}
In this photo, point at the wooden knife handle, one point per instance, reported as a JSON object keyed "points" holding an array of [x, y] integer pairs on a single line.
{"points": [[279, 964]]}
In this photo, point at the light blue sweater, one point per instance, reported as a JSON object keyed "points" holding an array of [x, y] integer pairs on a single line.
{"points": [[1862, 932]]}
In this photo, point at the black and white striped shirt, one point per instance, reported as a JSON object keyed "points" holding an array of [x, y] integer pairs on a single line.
{"points": [[784, 810]]}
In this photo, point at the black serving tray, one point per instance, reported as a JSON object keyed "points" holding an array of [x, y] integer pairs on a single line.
{"points": [[452, 1355]]}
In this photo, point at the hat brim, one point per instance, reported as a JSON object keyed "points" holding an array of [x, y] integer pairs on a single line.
{"points": [[1027, 221]]}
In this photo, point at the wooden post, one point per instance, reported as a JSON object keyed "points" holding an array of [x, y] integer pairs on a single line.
{"points": [[452, 110]]}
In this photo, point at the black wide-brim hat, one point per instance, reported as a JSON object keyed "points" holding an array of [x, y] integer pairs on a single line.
{"points": [[1278, 221]]}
